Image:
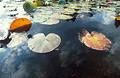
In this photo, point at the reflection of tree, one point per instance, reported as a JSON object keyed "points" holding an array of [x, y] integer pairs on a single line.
{"points": [[89, 65], [117, 23]]}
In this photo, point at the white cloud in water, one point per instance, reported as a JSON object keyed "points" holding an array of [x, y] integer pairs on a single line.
{"points": [[104, 17]]}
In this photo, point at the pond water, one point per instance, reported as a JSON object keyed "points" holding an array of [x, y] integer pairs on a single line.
{"points": [[72, 59]]}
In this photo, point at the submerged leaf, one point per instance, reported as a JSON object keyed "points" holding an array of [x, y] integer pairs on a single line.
{"points": [[41, 44], [20, 25], [94, 40]]}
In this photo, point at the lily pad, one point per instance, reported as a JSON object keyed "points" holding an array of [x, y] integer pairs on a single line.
{"points": [[51, 21], [94, 40], [29, 7], [41, 44], [20, 25], [62, 2], [68, 11], [64, 17], [38, 3], [3, 33]]}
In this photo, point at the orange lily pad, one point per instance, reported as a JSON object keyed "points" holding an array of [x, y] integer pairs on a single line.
{"points": [[20, 25], [94, 40]]}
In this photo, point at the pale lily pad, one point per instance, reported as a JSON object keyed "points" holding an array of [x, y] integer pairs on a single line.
{"points": [[54, 15], [64, 17], [44, 44], [48, 9], [10, 8], [45, 12], [74, 6], [68, 11], [3, 33], [83, 11], [11, 13], [39, 19], [50, 21]]}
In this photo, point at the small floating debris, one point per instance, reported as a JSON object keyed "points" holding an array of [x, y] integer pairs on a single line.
{"points": [[40, 43], [94, 40]]}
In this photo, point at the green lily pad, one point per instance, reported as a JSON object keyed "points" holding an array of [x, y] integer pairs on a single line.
{"points": [[29, 7], [62, 2]]}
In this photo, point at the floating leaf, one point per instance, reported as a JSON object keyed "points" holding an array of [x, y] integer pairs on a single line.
{"points": [[50, 21], [29, 7], [62, 2], [117, 18], [54, 1], [40, 19], [3, 33], [11, 13], [38, 3], [48, 3], [54, 15], [64, 17], [20, 25], [41, 44], [94, 40], [117, 23], [68, 11]]}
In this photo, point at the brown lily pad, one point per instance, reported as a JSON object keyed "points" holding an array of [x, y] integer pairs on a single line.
{"points": [[94, 40]]}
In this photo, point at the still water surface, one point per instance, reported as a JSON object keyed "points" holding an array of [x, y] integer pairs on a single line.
{"points": [[72, 59]]}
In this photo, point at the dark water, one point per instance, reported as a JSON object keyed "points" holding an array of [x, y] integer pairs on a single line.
{"points": [[73, 59]]}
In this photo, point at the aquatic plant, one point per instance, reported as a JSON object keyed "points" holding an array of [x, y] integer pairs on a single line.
{"points": [[29, 7], [20, 25], [40, 43], [94, 40]]}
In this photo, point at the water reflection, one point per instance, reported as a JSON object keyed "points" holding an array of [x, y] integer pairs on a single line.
{"points": [[72, 60], [74, 17]]}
